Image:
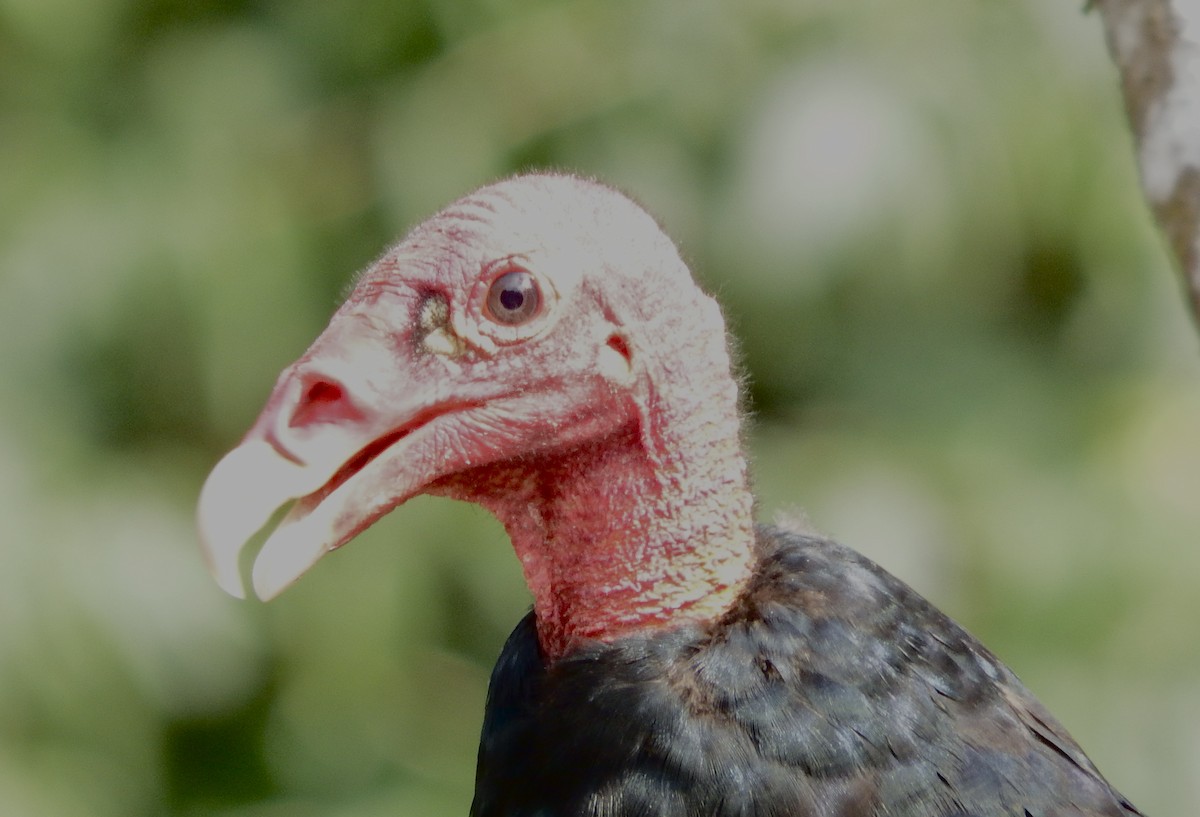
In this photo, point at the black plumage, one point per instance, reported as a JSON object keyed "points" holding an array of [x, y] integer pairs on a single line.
{"points": [[831, 689]]}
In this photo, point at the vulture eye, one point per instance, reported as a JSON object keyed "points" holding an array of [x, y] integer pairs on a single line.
{"points": [[513, 298]]}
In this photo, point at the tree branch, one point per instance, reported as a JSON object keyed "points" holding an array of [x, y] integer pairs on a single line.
{"points": [[1156, 45]]}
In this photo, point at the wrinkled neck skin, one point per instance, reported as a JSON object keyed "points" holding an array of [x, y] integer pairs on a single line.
{"points": [[646, 528]]}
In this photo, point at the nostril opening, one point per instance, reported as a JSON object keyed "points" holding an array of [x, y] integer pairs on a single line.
{"points": [[323, 401], [619, 345], [322, 392]]}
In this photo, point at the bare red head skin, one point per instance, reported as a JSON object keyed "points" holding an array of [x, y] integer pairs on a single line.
{"points": [[539, 348]]}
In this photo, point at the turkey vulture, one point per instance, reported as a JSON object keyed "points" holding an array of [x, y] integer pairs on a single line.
{"points": [[539, 348]]}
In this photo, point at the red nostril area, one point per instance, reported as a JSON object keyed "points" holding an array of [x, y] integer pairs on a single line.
{"points": [[322, 401], [323, 392], [619, 345]]}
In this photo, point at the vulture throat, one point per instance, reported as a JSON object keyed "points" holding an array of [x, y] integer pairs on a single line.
{"points": [[539, 347]]}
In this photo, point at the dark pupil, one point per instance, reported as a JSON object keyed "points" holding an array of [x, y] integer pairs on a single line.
{"points": [[512, 298]]}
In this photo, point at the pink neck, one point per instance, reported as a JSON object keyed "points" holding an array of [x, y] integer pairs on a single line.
{"points": [[648, 527], [601, 560]]}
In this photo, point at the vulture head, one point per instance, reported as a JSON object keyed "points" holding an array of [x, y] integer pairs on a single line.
{"points": [[540, 348]]}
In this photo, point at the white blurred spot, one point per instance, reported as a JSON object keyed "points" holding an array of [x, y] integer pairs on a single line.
{"points": [[831, 149]]}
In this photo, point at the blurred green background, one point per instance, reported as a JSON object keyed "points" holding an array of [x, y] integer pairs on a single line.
{"points": [[967, 354]]}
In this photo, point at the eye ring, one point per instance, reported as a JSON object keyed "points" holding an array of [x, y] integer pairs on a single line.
{"points": [[514, 298]]}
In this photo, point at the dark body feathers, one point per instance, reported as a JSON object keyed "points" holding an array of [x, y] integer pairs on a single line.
{"points": [[831, 690]]}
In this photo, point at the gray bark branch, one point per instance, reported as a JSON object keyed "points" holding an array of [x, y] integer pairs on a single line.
{"points": [[1156, 45]]}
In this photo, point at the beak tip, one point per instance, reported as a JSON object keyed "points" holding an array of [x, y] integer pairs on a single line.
{"points": [[222, 566], [295, 546], [245, 488], [231, 586], [267, 586]]}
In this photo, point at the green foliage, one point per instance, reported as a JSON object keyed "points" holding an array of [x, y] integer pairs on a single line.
{"points": [[965, 351]]}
